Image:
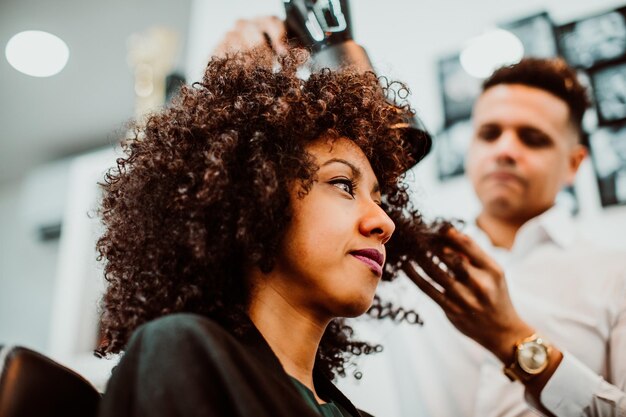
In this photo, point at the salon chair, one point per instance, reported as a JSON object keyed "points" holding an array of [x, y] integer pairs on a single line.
{"points": [[32, 385]]}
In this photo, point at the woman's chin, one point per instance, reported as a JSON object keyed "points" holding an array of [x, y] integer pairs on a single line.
{"points": [[357, 307]]}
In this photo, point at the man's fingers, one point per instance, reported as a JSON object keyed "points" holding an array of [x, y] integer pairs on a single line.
{"points": [[469, 247], [476, 281], [275, 30], [462, 292], [253, 33], [480, 280], [426, 287], [454, 298], [438, 273]]}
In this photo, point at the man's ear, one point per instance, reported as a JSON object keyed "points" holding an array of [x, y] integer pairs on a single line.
{"points": [[577, 155]]}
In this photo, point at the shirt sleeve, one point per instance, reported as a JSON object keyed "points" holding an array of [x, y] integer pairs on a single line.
{"points": [[575, 390]]}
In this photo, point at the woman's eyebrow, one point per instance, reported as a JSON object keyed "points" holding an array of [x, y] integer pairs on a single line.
{"points": [[356, 172]]}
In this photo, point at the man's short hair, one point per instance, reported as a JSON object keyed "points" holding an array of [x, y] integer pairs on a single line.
{"points": [[551, 75]]}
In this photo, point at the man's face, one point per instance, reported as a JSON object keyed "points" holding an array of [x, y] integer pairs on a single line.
{"points": [[523, 151]]}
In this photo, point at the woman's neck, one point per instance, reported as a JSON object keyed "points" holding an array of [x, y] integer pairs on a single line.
{"points": [[293, 335]]}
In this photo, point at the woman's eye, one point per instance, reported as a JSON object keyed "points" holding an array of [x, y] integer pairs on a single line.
{"points": [[345, 185]]}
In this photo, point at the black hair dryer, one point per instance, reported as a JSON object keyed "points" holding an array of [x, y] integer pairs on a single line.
{"points": [[324, 26]]}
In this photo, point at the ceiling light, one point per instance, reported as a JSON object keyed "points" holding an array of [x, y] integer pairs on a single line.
{"points": [[37, 53], [484, 53]]}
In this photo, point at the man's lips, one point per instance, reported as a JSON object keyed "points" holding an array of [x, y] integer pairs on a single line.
{"points": [[372, 258], [504, 176]]}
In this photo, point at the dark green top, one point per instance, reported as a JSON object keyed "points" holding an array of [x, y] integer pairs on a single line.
{"points": [[329, 409]]}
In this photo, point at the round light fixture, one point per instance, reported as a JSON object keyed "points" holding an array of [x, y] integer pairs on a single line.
{"points": [[484, 53], [37, 53]]}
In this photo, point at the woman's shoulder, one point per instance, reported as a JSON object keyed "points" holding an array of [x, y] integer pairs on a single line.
{"points": [[185, 341], [176, 321], [178, 328]]}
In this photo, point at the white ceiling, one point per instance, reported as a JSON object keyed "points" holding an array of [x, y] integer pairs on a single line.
{"points": [[84, 106]]}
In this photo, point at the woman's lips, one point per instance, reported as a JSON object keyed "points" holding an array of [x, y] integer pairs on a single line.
{"points": [[372, 258]]}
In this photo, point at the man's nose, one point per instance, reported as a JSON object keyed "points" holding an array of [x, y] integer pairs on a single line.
{"points": [[508, 148]]}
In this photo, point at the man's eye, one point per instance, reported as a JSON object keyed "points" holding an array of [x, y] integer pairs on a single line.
{"points": [[489, 133], [345, 185], [534, 138]]}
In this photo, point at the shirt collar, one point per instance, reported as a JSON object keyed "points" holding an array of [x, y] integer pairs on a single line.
{"points": [[555, 224]]}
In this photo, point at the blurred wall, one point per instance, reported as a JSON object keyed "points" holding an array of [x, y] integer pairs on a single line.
{"points": [[27, 273], [81, 108], [404, 39]]}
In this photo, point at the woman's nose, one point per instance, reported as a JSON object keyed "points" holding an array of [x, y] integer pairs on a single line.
{"points": [[376, 222]]}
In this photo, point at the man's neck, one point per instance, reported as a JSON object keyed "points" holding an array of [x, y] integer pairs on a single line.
{"points": [[500, 231]]}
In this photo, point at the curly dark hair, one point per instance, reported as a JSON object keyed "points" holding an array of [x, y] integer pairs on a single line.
{"points": [[206, 181], [552, 75]]}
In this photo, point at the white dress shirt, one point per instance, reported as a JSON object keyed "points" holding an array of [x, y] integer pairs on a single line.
{"points": [[572, 293]]}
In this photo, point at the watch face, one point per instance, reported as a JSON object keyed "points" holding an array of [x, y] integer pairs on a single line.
{"points": [[532, 357]]}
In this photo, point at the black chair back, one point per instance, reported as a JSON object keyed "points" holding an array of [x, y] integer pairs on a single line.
{"points": [[33, 385]]}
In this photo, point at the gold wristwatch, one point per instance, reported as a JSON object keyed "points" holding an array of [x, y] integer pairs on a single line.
{"points": [[531, 357]]}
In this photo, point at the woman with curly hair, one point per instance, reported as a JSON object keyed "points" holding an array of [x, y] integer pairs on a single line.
{"points": [[245, 221]]}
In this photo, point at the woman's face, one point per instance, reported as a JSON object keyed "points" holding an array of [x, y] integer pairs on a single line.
{"points": [[332, 255]]}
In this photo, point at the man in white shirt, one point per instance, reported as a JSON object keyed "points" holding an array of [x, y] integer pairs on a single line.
{"points": [[560, 336]]}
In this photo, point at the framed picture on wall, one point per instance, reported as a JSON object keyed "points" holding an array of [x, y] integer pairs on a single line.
{"points": [[537, 34], [609, 90], [451, 145], [594, 40], [608, 152], [459, 90]]}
